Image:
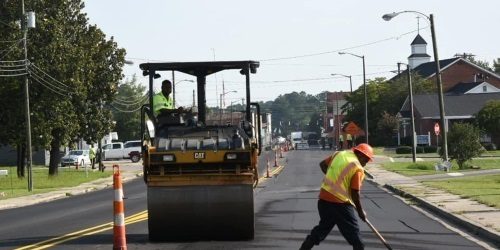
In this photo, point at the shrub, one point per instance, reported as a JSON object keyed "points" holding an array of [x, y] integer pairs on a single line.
{"points": [[490, 146], [420, 166], [430, 149], [463, 143], [420, 150], [403, 150]]}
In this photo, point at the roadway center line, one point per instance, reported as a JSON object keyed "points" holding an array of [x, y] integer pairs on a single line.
{"points": [[138, 217]]}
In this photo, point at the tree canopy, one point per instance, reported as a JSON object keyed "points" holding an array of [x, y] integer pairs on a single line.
{"points": [[488, 118], [126, 109], [73, 70]]}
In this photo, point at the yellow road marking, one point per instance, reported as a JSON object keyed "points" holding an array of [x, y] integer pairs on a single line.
{"points": [[271, 173], [138, 217]]}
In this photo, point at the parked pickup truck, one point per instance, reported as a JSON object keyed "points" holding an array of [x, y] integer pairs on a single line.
{"points": [[120, 150]]}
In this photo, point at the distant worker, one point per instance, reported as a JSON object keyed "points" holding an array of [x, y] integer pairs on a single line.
{"points": [[340, 195], [341, 141], [92, 155], [349, 140]]}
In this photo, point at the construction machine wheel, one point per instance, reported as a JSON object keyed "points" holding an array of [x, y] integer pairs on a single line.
{"points": [[188, 213]]}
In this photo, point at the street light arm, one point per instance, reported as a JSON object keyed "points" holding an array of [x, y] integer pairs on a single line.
{"points": [[341, 75], [343, 53], [389, 16], [185, 80], [232, 91]]}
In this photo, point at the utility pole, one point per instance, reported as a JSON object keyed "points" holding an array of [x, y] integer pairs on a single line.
{"points": [[27, 100]]}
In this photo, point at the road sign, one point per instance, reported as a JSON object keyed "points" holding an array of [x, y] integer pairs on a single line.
{"points": [[353, 129], [436, 128]]}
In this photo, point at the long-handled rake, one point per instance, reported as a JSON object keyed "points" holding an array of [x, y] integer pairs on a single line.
{"points": [[378, 235]]}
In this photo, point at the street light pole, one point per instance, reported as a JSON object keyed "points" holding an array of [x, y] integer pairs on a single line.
{"points": [[365, 91], [413, 134], [439, 83]]}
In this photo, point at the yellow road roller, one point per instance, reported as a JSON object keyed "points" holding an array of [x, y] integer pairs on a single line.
{"points": [[200, 178]]}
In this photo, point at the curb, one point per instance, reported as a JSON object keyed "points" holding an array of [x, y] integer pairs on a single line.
{"points": [[471, 227]]}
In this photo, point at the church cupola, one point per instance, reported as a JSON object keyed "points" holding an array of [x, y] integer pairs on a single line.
{"points": [[418, 52]]}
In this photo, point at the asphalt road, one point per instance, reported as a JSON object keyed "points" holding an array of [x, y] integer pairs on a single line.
{"points": [[285, 208]]}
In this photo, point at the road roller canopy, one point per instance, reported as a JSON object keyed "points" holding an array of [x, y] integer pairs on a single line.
{"points": [[200, 68]]}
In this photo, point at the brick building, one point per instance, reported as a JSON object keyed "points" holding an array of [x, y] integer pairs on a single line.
{"points": [[466, 87]]}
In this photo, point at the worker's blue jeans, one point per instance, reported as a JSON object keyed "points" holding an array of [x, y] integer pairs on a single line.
{"points": [[331, 214]]}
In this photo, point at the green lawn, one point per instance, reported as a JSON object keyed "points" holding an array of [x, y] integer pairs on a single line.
{"points": [[11, 186], [484, 189], [411, 169], [392, 153], [427, 167]]}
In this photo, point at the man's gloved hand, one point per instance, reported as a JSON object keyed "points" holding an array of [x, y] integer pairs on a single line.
{"points": [[362, 215]]}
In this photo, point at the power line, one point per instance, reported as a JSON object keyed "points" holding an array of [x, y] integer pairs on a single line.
{"points": [[338, 50], [32, 66], [7, 51], [311, 54], [133, 101], [35, 79], [51, 84], [125, 111], [13, 75]]}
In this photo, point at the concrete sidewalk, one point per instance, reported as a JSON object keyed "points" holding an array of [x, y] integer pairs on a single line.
{"points": [[479, 219]]}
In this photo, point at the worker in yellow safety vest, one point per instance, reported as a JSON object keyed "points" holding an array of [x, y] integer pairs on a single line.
{"points": [[349, 140], [340, 195], [162, 100], [341, 142]]}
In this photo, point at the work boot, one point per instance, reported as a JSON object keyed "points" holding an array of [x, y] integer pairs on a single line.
{"points": [[307, 244]]}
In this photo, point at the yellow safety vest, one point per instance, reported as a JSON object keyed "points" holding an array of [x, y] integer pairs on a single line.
{"points": [[161, 102], [337, 180]]}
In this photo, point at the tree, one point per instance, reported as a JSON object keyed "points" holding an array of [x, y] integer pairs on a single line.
{"points": [[488, 119], [383, 97], [386, 126], [12, 125], [74, 71], [496, 65], [483, 64], [126, 109], [463, 143], [294, 111]]}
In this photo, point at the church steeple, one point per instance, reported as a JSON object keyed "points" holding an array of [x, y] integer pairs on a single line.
{"points": [[418, 52]]}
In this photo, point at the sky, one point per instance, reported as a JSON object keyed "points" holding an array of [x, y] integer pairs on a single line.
{"points": [[296, 41]]}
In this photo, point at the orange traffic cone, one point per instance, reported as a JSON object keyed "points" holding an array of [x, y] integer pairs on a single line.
{"points": [[267, 168], [119, 236]]}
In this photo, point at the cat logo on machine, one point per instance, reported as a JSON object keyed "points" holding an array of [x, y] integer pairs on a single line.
{"points": [[199, 155]]}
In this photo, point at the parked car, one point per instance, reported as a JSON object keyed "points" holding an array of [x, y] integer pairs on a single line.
{"points": [[119, 150], [74, 157], [135, 156]]}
